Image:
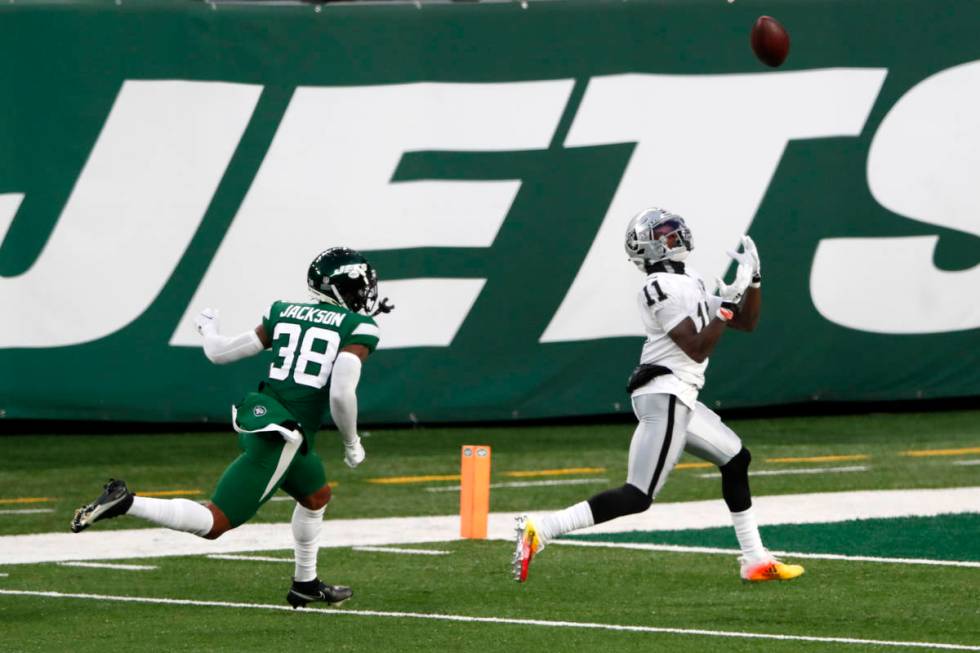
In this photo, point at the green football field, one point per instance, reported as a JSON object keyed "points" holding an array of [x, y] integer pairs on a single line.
{"points": [[906, 577]]}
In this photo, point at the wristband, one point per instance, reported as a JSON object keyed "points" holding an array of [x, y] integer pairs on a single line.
{"points": [[756, 281]]}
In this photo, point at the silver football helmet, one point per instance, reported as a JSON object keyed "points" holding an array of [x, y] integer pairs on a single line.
{"points": [[655, 235]]}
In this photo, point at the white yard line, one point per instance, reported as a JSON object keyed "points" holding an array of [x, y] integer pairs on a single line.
{"points": [[26, 511], [808, 470], [825, 507], [388, 549], [219, 556], [107, 565], [676, 548], [569, 481], [975, 461], [4, 575], [584, 625]]}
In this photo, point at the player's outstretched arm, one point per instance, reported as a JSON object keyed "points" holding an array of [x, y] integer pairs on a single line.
{"points": [[226, 349], [749, 264], [343, 400]]}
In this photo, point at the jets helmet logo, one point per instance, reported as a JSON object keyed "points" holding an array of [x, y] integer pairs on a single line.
{"points": [[353, 270]]}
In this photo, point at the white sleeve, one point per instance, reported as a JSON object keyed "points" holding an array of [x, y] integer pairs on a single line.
{"points": [[227, 349], [343, 394], [665, 302], [714, 303]]}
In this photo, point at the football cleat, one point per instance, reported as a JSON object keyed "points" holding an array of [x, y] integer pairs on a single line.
{"points": [[768, 569], [527, 545], [316, 591], [115, 500]]}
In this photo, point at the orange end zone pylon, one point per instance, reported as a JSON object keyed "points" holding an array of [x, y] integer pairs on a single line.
{"points": [[474, 491]]}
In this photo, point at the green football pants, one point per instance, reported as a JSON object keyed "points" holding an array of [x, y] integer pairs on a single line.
{"points": [[266, 464]]}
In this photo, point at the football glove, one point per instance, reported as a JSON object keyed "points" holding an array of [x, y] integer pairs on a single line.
{"points": [[731, 294], [354, 453], [207, 321], [750, 258]]}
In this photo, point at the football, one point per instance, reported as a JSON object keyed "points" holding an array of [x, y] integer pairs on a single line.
{"points": [[770, 41]]}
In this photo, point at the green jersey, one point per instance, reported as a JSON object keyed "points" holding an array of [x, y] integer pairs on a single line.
{"points": [[306, 338]]}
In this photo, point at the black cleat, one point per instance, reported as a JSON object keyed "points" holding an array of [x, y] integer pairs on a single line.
{"points": [[313, 591], [115, 500]]}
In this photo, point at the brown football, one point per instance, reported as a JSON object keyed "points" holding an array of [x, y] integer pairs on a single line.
{"points": [[770, 41]]}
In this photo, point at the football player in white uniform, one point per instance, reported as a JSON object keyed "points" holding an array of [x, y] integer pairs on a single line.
{"points": [[683, 324]]}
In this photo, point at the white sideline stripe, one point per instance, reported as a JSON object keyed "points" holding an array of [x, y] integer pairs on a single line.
{"points": [[107, 565], [677, 548], [569, 481], [783, 472], [813, 508], [26, 511], [388, 549], [497, 620], [219, 556], [967, 462]]}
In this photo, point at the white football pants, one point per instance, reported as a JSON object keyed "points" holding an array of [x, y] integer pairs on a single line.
{"points": [[666, 428]]}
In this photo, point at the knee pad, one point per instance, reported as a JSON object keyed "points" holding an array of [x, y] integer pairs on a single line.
{"points": [[739, 463], [735, 482], [624, 500]]}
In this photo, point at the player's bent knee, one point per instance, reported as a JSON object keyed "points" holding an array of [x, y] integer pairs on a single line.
{"points": [[738, 464], [318, 499], [221, 523], [625, 500]]}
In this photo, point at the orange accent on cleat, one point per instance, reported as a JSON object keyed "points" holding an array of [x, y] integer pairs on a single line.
{"points": [[528, 543], [771, 569]]}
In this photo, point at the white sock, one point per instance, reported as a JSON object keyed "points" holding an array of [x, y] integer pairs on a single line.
{"points": [[306, 534], [747, 532], [564, 521], [178, 514]]}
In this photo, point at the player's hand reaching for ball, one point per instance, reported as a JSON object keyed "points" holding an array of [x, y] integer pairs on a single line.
{"points": [[749, 258], [749, 250]]}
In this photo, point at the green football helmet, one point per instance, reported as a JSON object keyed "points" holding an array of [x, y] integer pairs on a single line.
{"points": [[343, 276]]}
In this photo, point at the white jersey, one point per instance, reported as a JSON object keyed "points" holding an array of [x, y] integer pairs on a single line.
{"points": [[666, 300]]}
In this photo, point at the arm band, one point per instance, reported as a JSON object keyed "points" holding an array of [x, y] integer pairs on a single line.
{"points": [[343, 394], [226, 349]]}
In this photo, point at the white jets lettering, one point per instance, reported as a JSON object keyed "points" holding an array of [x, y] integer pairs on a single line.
{"points": [[706, 147], [922, 165], [334, 156], [138, 201]]}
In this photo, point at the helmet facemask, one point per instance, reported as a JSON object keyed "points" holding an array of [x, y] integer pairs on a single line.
{"points": [[656, 235]]}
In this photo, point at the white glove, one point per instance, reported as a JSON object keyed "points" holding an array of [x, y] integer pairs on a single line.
{"points": [[732, 294], [354, 453], [749, 257], [207, 321]]}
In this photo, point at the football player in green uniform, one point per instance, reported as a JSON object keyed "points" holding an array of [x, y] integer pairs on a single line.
{"points": [[312, 343]]}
